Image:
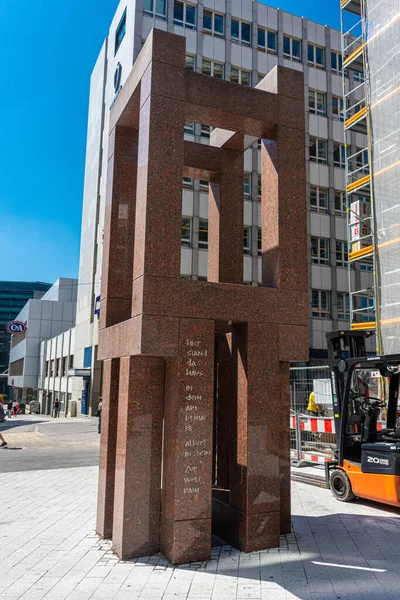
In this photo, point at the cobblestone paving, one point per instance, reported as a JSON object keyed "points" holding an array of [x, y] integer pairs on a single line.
{"points": [[48, 549]]}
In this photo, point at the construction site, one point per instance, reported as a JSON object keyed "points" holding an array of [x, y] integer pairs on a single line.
{"points": [[364, 410]]}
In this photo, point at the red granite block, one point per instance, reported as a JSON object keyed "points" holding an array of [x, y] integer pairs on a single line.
{"points": [[138, 457], [108, 443], [188, 427], [116, 283]]}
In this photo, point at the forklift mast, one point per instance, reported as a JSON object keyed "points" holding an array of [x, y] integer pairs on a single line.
{"points": [[343, 345]]}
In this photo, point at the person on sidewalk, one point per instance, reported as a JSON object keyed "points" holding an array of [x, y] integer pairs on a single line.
{"points": [[9, 408], [98, 415], [56, 409], [3, 442]]}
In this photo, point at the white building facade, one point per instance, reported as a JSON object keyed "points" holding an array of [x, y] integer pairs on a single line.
{"points": [[238, 40], [45, 318]]}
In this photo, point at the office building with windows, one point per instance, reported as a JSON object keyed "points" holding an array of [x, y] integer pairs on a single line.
{"points": [[241, 41], [13, 297]]}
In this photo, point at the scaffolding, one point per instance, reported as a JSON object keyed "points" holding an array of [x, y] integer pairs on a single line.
{"points": [[359, 197], [371, 46]]}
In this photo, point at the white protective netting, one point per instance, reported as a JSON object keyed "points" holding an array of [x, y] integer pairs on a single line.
{"points": [[383, 89]]}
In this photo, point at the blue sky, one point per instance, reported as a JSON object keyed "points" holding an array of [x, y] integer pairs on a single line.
{"points": [[49, 49]]}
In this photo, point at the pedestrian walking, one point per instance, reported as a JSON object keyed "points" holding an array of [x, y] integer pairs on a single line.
{"points": [[56, 409], [98, 415], [9, 408], [3, 442]]}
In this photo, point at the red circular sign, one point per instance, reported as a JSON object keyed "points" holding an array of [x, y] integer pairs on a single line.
{"points": [[16, 327]]}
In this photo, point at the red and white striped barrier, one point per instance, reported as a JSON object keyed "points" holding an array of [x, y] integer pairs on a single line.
{"points": [[320, 424], [311, 457]]}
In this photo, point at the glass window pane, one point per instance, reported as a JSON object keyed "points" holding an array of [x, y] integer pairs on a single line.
{"points": [[161, 7], [234, 75], [247, 185], [189, 62], [207, 20], [185, 240], [310, 53], [190, 15], [235, 29], [311, 100], [203, 234], [296, 49], [206, 67], [259, 240], [261, 38], [321, 104], [148, 5], [245, 78], [271, 40], [334, 61], [178, 11], [218, 71], [246, 240], [246, 32], [313, 148], [319, 56], [286, 45], [219, 24]]}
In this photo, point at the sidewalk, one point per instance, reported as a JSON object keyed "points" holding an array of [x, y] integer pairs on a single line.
{"points": [[48, 549]]}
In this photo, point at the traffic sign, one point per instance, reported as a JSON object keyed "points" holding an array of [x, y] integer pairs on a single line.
{"points": [[16, 327]]}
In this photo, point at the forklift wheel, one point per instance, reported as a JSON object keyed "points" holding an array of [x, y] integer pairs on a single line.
{"points": [[341, 486]]}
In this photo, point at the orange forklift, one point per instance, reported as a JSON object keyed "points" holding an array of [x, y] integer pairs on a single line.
{"points": [[365, 393]]}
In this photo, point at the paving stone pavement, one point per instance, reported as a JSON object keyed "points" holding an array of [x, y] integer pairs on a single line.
{"points": [[48, 549]]}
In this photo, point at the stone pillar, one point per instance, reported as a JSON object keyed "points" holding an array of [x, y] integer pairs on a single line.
{"points": [[119, 224], [188, 432], [158, 229], [255, 478], [284, 239], [138, 460], [284, 448], [108, 443], [225, 225]]}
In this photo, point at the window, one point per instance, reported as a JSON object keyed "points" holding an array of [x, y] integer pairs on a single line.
{"points": [[64, 366], [52, 368], [336, 62], [337, 108], [205, 131], [247, 186], [259, 241], [318, 150], [342, 255], [71, 361], [319, 251], [213, 23], [266, 40], [155, 8], [246, 240], [241, 32], [317, 103], [184, 15], [188, 128], [186, 232], [339, 155], [368, 305], [187, 183], [343, 305], [47, 368], [120, 32], [259, 187], [204, 186], [340, 203], [291, 48], [212, 68], [240, 76], [366, 267], [190, 62], [358, 76], [362, 161], [203, 233], [321, 304], [319, 199], [316, 56]]}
